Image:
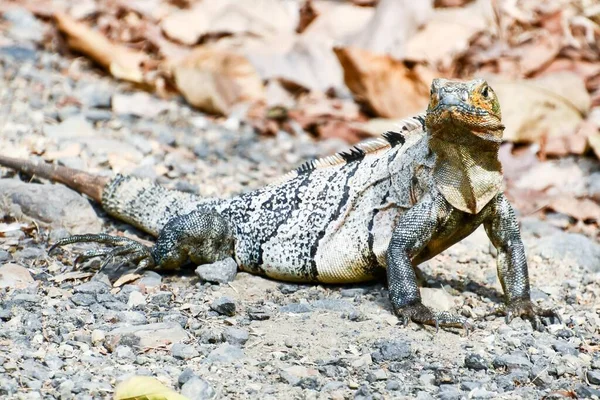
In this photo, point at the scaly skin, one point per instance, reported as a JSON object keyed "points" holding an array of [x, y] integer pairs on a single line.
{"points": [[386, 205]]}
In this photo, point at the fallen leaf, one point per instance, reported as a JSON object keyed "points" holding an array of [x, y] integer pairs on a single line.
{"points": [[15, 276], [229, 17], [123, 279], [215, 80], [393, 23], [575, 143], [552, 106], [145, 388], [120, 61], [449, 32], [69, 276], [387, 87], [537, 53], [580, 209]]}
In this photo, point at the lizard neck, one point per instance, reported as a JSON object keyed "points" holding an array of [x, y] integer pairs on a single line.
{"points": [[467, 171]]}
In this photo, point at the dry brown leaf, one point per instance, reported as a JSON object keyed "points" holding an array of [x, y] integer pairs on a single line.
{"points": [[225, 17], [575, 143], [552, 106], [120, 61], [308, 13], [67, 276], [393, 23], [389, 88], [215, 80], [580, 209], [126, 279], [449, 32], [538, 53]]}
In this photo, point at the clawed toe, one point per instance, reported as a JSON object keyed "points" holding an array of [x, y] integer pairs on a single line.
{"points": [[424, 315], [128, 249], [526, 310]]}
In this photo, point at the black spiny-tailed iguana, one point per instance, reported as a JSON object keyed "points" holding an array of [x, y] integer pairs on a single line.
{"points": [[387, 204]]}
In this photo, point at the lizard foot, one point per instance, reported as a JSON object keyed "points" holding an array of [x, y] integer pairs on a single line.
{"points": [[525, 309], [424, 315], [128, 249]]}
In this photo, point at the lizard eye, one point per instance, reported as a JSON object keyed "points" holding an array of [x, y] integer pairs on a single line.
{"points": [[485, 92]]}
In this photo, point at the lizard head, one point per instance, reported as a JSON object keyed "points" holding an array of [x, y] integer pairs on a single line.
{"points": [[458, 108]]}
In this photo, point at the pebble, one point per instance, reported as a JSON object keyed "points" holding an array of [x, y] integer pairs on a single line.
{"points": [[136, 299], [236, 336], [162, 298], [196, 388], [224, 306], [295, 308], [593, 377], [14, 276], [224, 353], [476, 362], [392, 350], [223, 271], [184, 351]]}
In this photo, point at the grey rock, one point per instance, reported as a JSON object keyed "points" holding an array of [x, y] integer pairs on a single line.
{"points": [[468, 385], [150, 279], [593, 377], [236, 336], [476, 362], [184, 351], [586, 392], [450, 392], [363, 393], [218, 272], [392, 350], [53, 362], [511, 361], [92, 287], [377, 375], [288, 288], [224, 306], [224, 353], [295, 308], [185, 376], [258, 314], [392, 385], [197, 389], [83, 299], [132, 317], [29, 253], [353, 292], [51, 204], [162, 298], [481, 393], [427, 379], [565, 348], [4, 256], [95, 96], [124, 352]]}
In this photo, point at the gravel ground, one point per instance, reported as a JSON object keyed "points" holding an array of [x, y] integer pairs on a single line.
{"points": [[67, 335]]}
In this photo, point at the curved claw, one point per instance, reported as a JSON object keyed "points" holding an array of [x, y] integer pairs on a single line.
{"points": [[127, 248], [524, 308], [421, 314]]}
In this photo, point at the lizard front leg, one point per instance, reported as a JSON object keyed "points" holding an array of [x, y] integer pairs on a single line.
{"points": [[199, 237], [413, 232], [502, 228]]}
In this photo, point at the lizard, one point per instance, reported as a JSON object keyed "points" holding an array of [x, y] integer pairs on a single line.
{"points": [[382, 207]]}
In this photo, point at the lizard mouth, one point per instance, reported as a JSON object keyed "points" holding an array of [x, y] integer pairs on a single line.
{"points": [[479, 122]]}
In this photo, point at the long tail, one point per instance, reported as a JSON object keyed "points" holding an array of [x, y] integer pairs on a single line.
{"points": [[82, 182]]}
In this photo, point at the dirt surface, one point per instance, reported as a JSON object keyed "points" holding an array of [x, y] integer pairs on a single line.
{"points": [[66, 335]]}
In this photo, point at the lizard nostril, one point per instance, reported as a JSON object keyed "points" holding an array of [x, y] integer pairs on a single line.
{"points": [[464, 96]]}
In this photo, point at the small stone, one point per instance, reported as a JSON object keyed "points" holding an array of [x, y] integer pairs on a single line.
{"points": [[14, 276], [218, 272], [258, 314], [353, 292], [95, 115], [136, 299], [83, 299], [377, 375], [197, 389], [593, 377], [392, 350], [333, 305], [98, 336], [511, 361], [149, 335], [332, 386], [132, 317], [236, 336], [392, 385], [185, 376], [92, 287], [295, 308], [224, 306], [162, 298], [124, 352], [184, 351], [225, 353], [362, 361], [476, 362], [427, 379], [287, 288], [150, 280]]}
